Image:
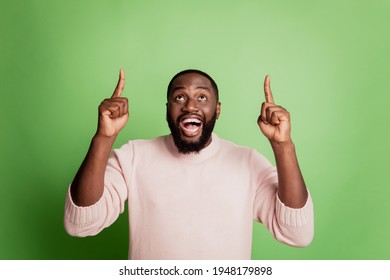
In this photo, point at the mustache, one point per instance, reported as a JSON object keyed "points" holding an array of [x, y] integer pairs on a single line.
{"points": [[191, 115]]}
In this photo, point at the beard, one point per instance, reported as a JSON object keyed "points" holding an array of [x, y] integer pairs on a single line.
{"points": [[186, 147]]}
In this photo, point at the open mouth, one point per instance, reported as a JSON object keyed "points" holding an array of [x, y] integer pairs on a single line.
{"points": [[191, 127]]}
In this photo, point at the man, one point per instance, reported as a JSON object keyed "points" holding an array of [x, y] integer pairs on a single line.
{"points": [[191, 194]]}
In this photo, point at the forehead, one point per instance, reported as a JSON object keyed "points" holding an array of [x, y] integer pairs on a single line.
{"points": [[192, 80]]}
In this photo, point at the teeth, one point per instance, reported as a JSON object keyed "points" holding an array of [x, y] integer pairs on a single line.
{"points": [[191, 120]]}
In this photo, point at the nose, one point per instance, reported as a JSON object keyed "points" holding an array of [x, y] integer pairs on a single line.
{"points": [[191, 105]]}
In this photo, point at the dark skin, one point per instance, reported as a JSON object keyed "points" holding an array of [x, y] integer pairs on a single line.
{"points": [[274, 122], [192, 98], [87, 187]]}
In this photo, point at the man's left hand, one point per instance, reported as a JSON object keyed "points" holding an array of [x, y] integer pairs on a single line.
{"points": [[274, 120]]}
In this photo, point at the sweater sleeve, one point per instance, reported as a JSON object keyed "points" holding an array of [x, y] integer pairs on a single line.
{"points": [[90, 220], [292, 226]]}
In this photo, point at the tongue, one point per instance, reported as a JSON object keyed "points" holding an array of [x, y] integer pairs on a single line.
{"points": [[191, 126], [190, 129]]}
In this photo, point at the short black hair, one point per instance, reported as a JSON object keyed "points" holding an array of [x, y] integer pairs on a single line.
{"points": [[213, 83]]}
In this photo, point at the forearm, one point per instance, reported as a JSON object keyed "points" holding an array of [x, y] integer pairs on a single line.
{"points": [[292, 189], [88, 184]]}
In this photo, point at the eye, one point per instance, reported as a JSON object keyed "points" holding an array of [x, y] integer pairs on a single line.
{"points": [[202, 98], [179, 98]]}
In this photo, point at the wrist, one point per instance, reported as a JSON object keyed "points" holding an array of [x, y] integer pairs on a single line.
{"points": [[103, 139], [282, 146], [102, 144]]}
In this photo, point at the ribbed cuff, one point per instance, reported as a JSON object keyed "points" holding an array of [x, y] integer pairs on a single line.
{"points": [[295, 217], [83, 216]]}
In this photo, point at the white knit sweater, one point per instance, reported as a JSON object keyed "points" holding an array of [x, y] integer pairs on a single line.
{"points": [[196, 206]]}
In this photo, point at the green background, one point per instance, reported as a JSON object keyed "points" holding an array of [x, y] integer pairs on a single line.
{"points": [[329, 65]]}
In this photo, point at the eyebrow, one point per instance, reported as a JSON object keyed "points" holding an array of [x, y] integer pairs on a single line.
{"points": [[198, 87]]}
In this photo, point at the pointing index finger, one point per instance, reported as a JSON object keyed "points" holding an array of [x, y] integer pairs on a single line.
{"points": [[120, 85], [267, 90]]}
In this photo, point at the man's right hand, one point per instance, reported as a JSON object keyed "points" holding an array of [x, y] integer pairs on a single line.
{"points": [[114, 111]]}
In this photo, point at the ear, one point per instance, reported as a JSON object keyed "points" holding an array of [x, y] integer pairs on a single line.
{"points": [[218, 109]]}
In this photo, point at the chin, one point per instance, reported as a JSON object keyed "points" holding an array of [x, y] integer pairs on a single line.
{"points": [[186, 145], [190, 139]]}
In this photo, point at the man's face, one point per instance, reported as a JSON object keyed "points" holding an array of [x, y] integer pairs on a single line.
{"points": [[192, 109]]}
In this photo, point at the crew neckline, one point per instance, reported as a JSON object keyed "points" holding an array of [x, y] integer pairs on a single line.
{"points": [[204, 154]]}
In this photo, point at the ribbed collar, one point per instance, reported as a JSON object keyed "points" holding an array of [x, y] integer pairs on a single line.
{"points": [[204, 154]]}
